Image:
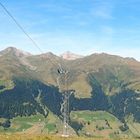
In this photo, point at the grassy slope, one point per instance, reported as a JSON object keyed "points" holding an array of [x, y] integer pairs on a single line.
{"points": [[49, 137], [51, 124], [112, 72], [99, 124]]}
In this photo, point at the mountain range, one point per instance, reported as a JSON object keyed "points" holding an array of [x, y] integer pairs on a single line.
{"points": [[100, 83], [70, 56]]}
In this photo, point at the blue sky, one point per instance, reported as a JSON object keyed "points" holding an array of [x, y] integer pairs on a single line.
{"points": [[80, 26]]}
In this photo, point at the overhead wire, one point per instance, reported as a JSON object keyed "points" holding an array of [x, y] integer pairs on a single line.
{"points": [[24, 31]]}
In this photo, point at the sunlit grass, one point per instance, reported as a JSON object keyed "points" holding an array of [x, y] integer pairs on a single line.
{"points": [[49, 137]]}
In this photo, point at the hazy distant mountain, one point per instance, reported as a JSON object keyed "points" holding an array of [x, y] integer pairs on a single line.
{"points": [[14, 51], [100, 81], [70, 56]]}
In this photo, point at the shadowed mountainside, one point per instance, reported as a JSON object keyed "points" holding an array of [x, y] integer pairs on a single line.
{"points": [[29, 85]]}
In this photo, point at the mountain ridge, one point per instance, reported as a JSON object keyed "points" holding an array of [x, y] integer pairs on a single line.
{"points": [[78, 56], [98, 82], [46, 65]]}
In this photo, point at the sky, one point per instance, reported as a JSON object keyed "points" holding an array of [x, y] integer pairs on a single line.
{"points": [[80, 26]]}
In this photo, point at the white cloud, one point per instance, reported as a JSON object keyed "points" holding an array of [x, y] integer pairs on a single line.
{"points": [[107, 30], [53, 7], [102, 9]]}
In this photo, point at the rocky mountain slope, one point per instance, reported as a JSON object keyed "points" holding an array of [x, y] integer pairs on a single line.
{"points": [[70, 56], [31, 84]]}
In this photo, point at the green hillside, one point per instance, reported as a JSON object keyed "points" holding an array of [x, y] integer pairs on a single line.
{"points": [[106, 85]]}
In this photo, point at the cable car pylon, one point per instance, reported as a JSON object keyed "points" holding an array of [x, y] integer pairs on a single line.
{"points": [[65, 105]]}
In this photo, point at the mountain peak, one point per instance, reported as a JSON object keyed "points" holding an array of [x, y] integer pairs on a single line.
{"points": [[11, 48], [15, 51], [70, 56]]}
